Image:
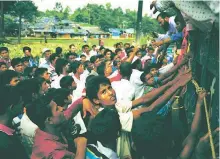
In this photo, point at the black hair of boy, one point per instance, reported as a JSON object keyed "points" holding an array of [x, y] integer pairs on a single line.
{"points": [[53, 57], [117, 50], [93, 59], [39, 72], [149, 136], [93, 86], [74, 66], [82, 55], [59, 50], [162, 15], [126, 69], [6, 77], [60, 63], [3, 63], [26, 48], [15, 61], [61, 95], [105, 127], [101, 69], [3, 49], [25, 59], [66, 82]]}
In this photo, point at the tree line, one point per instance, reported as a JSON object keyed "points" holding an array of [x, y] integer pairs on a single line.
{"points": [[103, 16]]}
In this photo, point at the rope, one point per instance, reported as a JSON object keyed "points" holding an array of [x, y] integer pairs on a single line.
{"points": [[199, 89]]}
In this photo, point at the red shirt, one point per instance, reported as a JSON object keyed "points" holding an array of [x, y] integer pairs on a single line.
{"points": [[50, 146]]}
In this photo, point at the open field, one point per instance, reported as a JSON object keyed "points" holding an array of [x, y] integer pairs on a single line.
{"points": [[37, 44]]}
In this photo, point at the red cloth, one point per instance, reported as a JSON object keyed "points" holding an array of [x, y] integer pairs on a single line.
{"points": [[184, 46], [6, 129], [116, 78]]}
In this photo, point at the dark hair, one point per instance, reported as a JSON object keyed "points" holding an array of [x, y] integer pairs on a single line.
{"points": [[142, 77], [101, 69], [137, 64], [105, 127], [147, 132], [26, 48], [150, 48], [3, 49], [101, 47], [15, 61], [28, 72], [115, 62], [29, 87], [117, 50], [107, 50], [86, 65], [70, 54], [6, 77], [71, 45], [127, 44], [9, 96], [53, 57], [117, 44], [93, 85], [60, 63], [2, 63], [39, 72], [100, 56], [66, 82], [89, 77], [93, 59], [150, 66], [25, 59], [93, 46], [82, 55], [59, 50], [74, 66], [162, 15], [128, 51], [60, 95], [84, 46], [126, 69]]}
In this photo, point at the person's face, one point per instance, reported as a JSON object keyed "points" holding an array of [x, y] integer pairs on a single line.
{"points": [[80, 70], [154, 72], [86, 49], [26, 64], [102, 51], [108, 56], [27, 53], [44, 87], [108, 68], [149, 79], [14, 81], [118, 64], [94, 48], [71, 58], [5, 54], [19, 68], [73, 49], [46, 76], [97, 62], [47, 55], [127, 46], [54, 108], [163, 23], [106, 96], [139, 55], [119, 53], [3, 68], [83, 59]]}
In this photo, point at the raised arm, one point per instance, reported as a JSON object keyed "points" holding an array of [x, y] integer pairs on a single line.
{"points": [[191, 140]]}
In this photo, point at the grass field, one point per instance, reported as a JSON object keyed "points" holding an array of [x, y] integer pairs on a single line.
{"points": [[37, 44]]}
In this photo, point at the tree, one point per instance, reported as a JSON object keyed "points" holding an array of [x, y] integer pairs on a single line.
{"points": [[23, 9], [58, 7], [4, 7]]}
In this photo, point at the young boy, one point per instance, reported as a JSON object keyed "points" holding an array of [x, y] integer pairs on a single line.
{"points": [[3, 67], [4, 53], [101, 94]]}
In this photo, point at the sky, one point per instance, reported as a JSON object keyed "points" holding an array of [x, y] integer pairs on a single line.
{"points": [[43, 5]]}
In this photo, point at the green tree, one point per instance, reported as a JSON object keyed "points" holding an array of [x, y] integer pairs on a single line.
{"points": [[23, 9], [58, 7], [4, 7]]}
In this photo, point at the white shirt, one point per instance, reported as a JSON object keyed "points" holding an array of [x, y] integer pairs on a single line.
{"points": [[93, 53], [87, 56], [56, 82], [124, 90], [137, 83]]}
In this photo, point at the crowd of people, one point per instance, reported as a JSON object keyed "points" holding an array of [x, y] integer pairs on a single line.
{"points": [[102, 103]]}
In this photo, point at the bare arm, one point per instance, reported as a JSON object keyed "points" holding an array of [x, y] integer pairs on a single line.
{"points": [[80, 143], [191, 139], [130, 58]]}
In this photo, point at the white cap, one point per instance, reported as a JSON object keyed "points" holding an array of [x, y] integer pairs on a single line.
{"points": [[45, 49]]}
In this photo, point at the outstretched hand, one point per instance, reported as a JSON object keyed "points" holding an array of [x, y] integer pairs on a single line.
{"points": [[185, 79]]}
